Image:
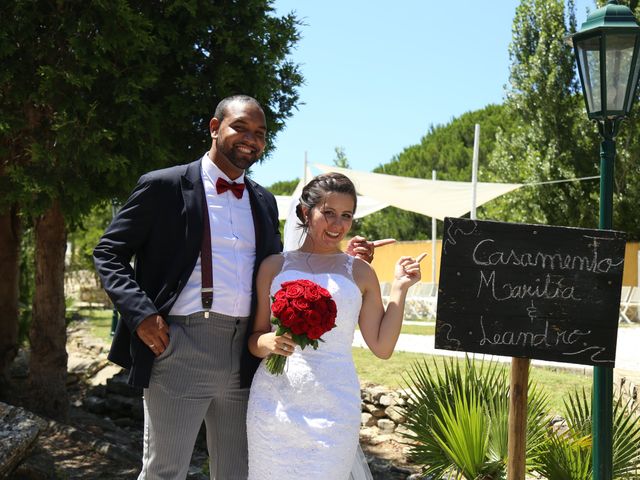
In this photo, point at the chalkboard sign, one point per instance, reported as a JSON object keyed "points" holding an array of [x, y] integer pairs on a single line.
{"points": [[531, 291]]}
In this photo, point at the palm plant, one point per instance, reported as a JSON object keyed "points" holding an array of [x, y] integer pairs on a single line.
{"points": [[566, 455], [458, 419]]}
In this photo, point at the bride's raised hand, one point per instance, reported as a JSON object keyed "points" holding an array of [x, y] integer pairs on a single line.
{"points": [[407, 270], [279, 344]]}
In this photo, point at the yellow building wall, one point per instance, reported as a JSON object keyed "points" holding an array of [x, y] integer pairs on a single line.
{"points": [[385, 258]]}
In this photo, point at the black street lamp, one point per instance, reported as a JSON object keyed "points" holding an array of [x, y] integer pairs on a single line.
{"points": [[606, 48]]}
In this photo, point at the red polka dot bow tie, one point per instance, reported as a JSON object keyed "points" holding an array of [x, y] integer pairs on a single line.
{"points": [[236, 188]]}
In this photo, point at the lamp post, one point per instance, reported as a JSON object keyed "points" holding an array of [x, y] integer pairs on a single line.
{"points": [[606, 49]]}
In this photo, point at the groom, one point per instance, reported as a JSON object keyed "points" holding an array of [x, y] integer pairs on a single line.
{"points": [[185, 316]]}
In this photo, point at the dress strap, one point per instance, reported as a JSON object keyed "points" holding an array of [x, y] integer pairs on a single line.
{"points": [[349, 265], [287, 259]]}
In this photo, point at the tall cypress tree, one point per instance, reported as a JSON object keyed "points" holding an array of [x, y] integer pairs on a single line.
{"points": [[95, 93]]}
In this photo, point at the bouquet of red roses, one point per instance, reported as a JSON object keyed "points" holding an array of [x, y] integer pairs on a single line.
{"points": [[304, 309]]}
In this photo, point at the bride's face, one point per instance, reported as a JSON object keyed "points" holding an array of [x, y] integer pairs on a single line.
{"points": [[330, 221]]}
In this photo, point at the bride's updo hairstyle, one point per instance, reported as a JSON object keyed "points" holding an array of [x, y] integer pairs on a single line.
{"points": [[314, 192]]}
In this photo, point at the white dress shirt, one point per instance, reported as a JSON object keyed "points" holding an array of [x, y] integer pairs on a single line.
{"points": [[233, 251]]}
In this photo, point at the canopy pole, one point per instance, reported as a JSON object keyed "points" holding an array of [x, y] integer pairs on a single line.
{"points": [[474, 170], [434, 235], [304, 174]]}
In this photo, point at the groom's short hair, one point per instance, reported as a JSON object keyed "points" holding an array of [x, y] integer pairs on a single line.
{"points": [[221, 108]]}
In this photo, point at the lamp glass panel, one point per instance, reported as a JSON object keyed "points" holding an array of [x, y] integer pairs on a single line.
{"points": [[634, 81], [589, 65], [618, 57]]}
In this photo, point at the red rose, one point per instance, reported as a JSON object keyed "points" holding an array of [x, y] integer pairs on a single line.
{"points": [[298, 328], [331, 305], [315, 333], [312, 294], [328, 323], [312, 317], [323, 292], [321, 307], [278, 306], [280, 295], [294, 290], [289, 317], [300, 304]]}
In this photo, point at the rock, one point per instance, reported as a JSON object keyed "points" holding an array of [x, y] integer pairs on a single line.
{"points": [[386, 426], [374, 410], [367, 433], [386, 400], [400, 401], [37, 466], [95, 404], [403, 431], [367, 420], [19, 429], [394, 414], [102, 377], [377, 392], [85, 366], [121, 406], [118, 384], [377, 440]]}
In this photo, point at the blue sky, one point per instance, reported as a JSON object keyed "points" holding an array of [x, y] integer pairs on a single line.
{"points": [[379, 73]]}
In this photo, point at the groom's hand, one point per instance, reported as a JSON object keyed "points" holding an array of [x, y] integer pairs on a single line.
{"points": [[154, 333], [362, 248]]}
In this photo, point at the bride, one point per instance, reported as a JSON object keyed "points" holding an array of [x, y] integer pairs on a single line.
{"points": [[305, 423]]}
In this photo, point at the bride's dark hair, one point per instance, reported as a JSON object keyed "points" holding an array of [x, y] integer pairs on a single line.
{"points": [[314, 192]]}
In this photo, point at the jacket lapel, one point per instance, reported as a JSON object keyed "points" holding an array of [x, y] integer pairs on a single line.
{"points": [[259, 217], [192, 195]]}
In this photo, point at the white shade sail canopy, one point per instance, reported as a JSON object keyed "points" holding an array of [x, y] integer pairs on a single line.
{"points": [[433, 198]]}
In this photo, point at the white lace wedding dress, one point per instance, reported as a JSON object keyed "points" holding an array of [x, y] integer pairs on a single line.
{"points": [[304, 424]]}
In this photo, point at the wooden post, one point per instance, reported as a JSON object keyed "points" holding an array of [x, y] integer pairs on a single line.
{"points": [[518, 419]]}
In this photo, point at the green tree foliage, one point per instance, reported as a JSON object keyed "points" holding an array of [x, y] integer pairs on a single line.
{"points": [[448, 149], [95, 93], [627, 164], [341, 159], [85, 236], [284, 187], [553, 139]]}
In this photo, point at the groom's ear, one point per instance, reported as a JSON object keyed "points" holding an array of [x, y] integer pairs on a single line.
{"points": [[214, 126]]}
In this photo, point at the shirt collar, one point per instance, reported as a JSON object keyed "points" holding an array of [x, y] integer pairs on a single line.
{"points": [[213, 171]]}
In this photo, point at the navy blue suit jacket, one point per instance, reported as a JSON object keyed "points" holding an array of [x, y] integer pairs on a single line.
{"points": [[160, 226]]}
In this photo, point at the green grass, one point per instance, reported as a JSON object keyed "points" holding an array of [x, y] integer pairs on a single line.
{"points": [[419, 329], [557, 383], [99, 322]]}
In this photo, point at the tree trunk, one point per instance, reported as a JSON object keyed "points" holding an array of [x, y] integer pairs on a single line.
{"points": [[10, 233], [48, 335]]}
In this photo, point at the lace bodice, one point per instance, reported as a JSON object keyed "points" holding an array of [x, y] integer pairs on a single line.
{"points": [[335, 273]]}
